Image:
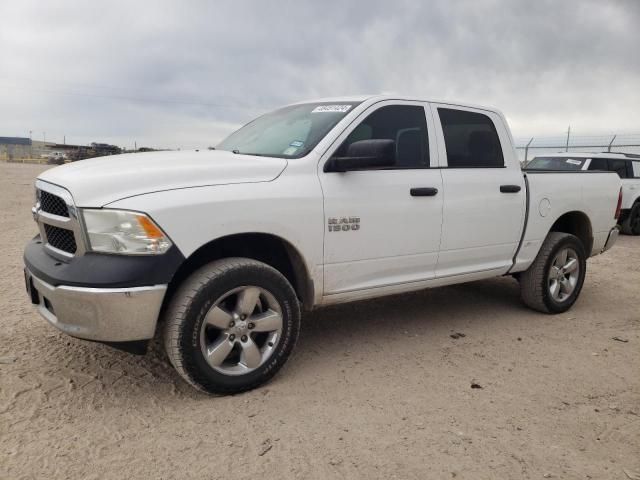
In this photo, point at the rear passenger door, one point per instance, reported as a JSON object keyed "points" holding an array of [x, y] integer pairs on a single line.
{"points": [[629, 173], [484, 201], [619, 166]]}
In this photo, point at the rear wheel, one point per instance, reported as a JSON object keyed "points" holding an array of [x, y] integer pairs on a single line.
{"points": [[555, 278], [232, 325], [631, 224]]}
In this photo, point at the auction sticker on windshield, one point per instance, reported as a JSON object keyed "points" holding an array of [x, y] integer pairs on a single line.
{"points": [[290, 151], [331, 108]]}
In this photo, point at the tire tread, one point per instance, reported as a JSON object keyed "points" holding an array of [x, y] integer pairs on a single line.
{"points": [[532, 280]]}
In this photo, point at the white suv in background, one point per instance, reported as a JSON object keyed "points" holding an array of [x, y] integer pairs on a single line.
{"points": [[626, 165]]}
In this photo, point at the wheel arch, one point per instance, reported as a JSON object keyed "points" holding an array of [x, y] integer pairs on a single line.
{"points": [[576, 223], [264, 247]]}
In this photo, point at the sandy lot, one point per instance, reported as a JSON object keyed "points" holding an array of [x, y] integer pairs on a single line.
{"points": [[376, 389]]}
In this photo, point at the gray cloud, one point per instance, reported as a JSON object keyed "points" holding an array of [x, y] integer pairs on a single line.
{"points": [[184, 74]]}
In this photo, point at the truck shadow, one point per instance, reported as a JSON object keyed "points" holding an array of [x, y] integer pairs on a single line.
{"points": [[425, 312]]}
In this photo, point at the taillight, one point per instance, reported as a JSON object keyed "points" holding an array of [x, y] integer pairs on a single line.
{"points": [[619, 206]]}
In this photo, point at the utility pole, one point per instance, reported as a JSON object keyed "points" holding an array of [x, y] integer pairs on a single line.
{"points": [[611, 143], [64, 139], [568, 134]]}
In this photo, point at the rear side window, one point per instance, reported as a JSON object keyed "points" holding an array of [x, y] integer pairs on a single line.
{"points": [[406, 125], [619, 166], [599, 164], [624, 168], [471, 139]]}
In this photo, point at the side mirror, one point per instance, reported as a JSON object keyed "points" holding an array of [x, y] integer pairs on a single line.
{"points": [[364, 154]]}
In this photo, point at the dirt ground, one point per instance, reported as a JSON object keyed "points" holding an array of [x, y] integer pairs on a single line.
{"points": [[375, 389]]}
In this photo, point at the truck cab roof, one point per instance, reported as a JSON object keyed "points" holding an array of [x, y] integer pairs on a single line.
{"points": [[369, 99]]}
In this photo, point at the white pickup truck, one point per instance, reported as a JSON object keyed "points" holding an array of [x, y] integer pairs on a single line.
{"points": [[626, 165], [313, 204]]}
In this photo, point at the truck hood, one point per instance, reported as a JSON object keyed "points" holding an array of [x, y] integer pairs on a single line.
{"points": [[99, 181]]}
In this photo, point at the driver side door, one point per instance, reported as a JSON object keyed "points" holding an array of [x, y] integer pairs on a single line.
{"points": [[383, 226]]}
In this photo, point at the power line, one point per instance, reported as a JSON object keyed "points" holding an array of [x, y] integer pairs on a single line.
{"points": [[132, 98]]}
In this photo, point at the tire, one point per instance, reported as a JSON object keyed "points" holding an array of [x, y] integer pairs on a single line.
{"points": [[212, 310], [631, 224], [542, 287]]}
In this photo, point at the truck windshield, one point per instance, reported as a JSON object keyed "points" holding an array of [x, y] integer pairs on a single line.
{"points": [[556, 163], [290, 132]]}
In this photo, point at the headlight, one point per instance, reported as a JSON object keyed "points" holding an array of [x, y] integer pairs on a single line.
{"points": [[120, 231]]}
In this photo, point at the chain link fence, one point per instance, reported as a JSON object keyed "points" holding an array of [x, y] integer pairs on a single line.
{"points": [[528, 148]]}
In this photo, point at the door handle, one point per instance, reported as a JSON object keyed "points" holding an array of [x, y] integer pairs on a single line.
{"points": [[510, 188], [424, 192]]}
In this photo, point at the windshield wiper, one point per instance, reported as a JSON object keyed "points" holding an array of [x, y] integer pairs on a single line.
{"points": [[261, 155], [238, 152]]}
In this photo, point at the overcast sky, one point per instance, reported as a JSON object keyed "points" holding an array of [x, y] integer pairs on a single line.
{"points": [[185, 74]]}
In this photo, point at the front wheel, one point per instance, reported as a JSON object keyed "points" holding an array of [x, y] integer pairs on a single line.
{"points": [[232, 325], [554, 280]]}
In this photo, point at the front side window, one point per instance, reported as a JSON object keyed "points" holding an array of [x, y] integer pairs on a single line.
{"points": [[636, 169], [290, 132], [406, 125], [471, 139], [560, 163]]}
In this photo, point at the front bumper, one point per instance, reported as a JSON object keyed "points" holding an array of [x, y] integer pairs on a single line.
{"points": [[611, 239], [99, 314], [106, 298]]}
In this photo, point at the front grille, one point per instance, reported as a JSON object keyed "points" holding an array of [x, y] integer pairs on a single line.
{"points": [[57, 220], [53, 204], [61, 238]]}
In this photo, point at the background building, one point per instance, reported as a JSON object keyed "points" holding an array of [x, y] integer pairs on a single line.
{"points": [[19, 148], [15, 148]]}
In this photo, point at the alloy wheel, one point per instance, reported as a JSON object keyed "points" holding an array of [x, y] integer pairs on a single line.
{"points": [[241, 330], [564, 274]]}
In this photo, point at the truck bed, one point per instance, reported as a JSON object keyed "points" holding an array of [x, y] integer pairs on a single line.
{"points": [[589, 193]]}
